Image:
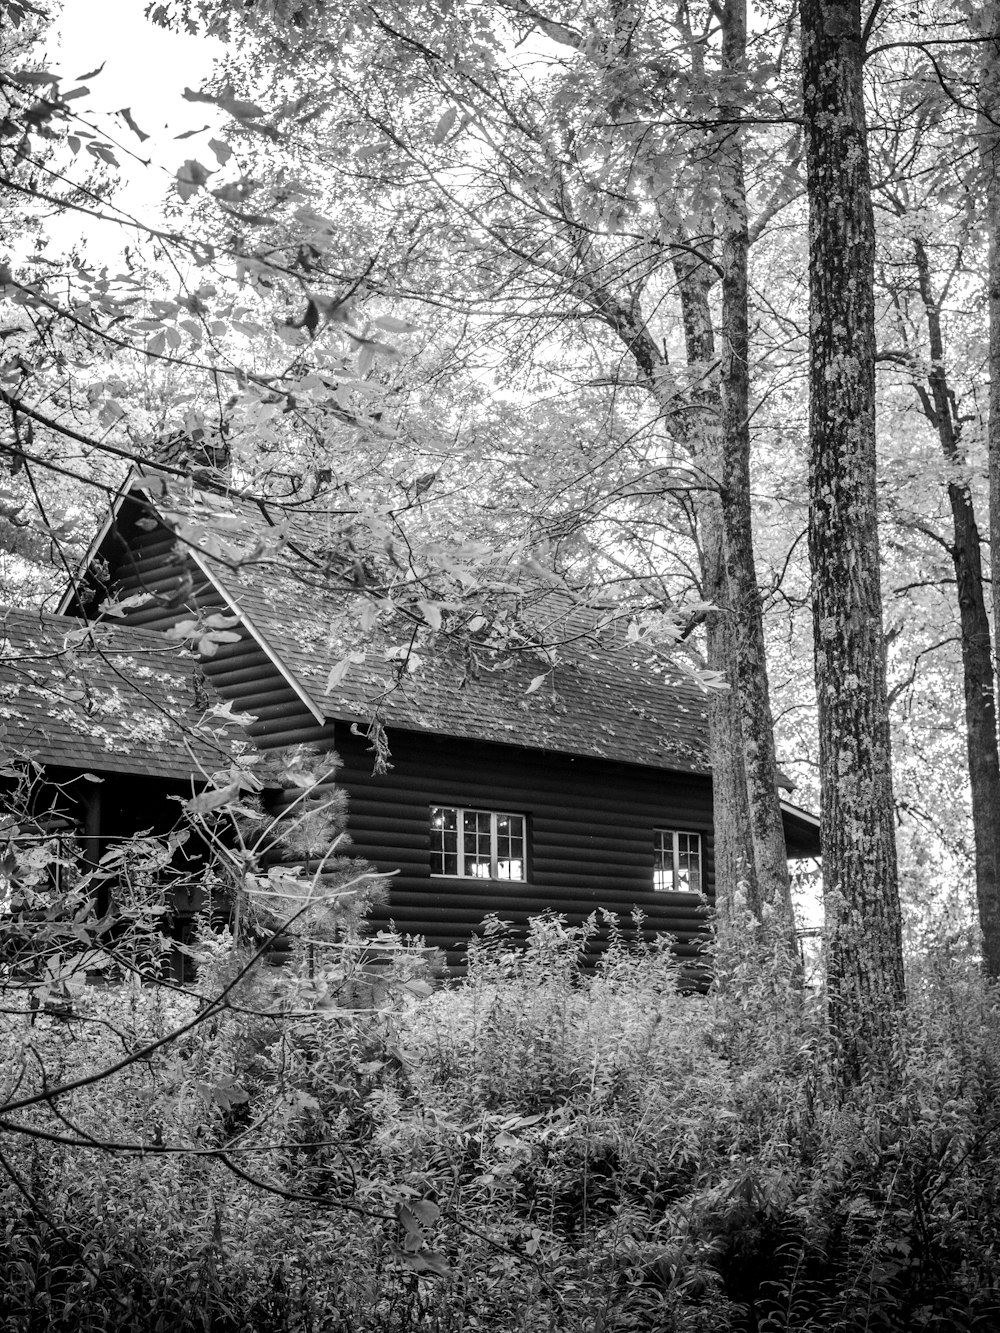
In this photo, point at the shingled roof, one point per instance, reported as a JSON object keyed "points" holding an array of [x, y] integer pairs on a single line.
{"points": [[599, 695], [602, 695], [104, 697]]}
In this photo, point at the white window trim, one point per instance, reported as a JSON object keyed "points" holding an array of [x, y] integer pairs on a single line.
{"points": [[460, 812], [675, 835]]}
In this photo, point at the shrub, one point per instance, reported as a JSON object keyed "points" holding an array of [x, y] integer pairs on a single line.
{"points": [[534, 1147]]}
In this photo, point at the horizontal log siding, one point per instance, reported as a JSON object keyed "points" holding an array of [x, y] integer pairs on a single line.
{"points": [[589, 826], [241, 672]]}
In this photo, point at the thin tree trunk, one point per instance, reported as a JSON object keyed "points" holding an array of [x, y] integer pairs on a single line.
{"points": [[864, 945], [749, 660], [735, 866], [977, 661], [989, 147]]}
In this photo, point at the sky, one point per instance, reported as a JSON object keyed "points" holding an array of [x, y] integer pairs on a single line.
{"points": [[145, 69]]}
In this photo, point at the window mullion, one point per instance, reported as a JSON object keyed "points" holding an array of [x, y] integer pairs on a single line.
{"points": [[494, 855], [676, 840], [460, 841]]}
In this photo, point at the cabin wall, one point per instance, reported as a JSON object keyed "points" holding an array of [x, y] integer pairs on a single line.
{"points": [[590, 829], [589, 834]]}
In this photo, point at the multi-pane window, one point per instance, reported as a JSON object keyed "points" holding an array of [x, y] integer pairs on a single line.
{"points": [[476, 844], [677, 861]]}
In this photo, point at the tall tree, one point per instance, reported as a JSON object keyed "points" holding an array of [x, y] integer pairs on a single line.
{"points": [[988, 30], [939, 404], [865, 960], [735, 864], [749, 664]]}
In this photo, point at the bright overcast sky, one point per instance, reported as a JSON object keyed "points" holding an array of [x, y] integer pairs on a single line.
{"points": [[146, 69]]}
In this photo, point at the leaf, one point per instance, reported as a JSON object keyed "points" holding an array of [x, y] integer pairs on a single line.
{"points": [[82, 78], [126, 115], [157, 344], [134, 599], [445, 124], [225, 1094], [536, 684], [431, 612], [225, 712], [237, 108], [191, 176], [340, 669], [212, 799], [373, 345], [221, 150], [103, 152], [393, 325], [183, 630], [209, 644], [426, 1211], [233, 193], [111, 411], [425, 1261], [421, 989], [370, 613], [558, 32]]}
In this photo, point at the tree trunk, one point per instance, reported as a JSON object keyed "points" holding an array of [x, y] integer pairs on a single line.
{"points": [[977, 660], [749, 661], [989, 147], [864, 945], [735, 867]]}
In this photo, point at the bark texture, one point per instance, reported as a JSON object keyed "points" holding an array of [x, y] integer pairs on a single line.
{"points": [[974, 620], [989, 147], [735, 867], [735, 863], [864, 960], [749, 661]]}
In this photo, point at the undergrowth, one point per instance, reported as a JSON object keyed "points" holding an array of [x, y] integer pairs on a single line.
{"points": [[532, 1148]]}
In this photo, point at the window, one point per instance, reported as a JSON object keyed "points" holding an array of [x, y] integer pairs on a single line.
{"points": [[677, 861], [476, 844]]}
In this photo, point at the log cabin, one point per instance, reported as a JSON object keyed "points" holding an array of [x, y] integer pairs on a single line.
{"points": [[564, 768]]}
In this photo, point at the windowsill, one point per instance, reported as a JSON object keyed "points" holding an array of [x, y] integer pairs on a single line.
{"points": [[477, 879]]}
